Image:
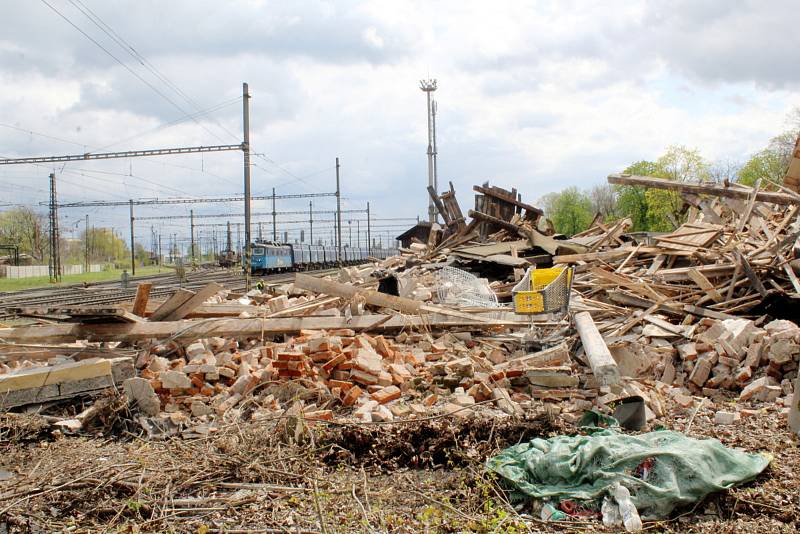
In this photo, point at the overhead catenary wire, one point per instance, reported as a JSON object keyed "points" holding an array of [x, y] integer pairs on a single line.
{"points": [[124, 65]]}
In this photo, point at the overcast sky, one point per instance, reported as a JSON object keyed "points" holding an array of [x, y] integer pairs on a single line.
{"points": [[532, 95]]}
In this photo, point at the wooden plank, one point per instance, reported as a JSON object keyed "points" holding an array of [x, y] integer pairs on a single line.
{"points": [[637, 287], [36, 377], [703, 189], [709, 271], [755, 281], [665, 325], [510, 200], [703, 282], [607, 255], [171, 304], [38, 353], [84, 314], [737, 270], [184, 331], [142, 296], [375, 298], [691, 236], [745, 218], [705, 312], [658, 261], [536, 239], [209, 290]]}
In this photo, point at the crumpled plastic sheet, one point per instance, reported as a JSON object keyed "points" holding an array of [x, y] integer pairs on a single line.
{"points": [[662, 469]]}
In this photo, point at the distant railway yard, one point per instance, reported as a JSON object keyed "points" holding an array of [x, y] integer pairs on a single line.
{"points": [[112, 292]]}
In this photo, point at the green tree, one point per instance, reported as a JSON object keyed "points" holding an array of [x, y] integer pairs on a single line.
{"points": [[25, 228], [655, 209], [570, 210], [631, 199], [104, 246], [771, 163]]}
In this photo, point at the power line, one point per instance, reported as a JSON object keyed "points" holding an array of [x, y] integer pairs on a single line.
{"points": [[25, 130], [175, 122], [127, 47], [235, 215], [125, 66], [174, 201]]}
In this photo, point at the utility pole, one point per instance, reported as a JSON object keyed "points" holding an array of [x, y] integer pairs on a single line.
{"points": [[159, 251], [310, 222], [429, 86], [274, 228], [358, 233], [246, 150], [191, 235], [228, 244], [369, 233], [260, 236], [435, 167], [86, 242], [55, 259], [338, 216], [133, 252], [350, 233]]}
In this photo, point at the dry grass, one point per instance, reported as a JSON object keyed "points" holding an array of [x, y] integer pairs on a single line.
{"points": [[426, 477]]}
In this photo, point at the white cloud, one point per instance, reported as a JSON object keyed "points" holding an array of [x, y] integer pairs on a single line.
{"points": [[534, 95]]}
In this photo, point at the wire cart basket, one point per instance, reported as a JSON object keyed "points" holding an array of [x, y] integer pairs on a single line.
{"points": [[543, 291]]}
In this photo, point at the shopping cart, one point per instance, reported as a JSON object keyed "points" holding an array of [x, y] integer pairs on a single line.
{"points": [[543, 291]]}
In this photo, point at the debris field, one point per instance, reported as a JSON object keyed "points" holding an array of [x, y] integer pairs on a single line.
{"points": [[371, 398]]}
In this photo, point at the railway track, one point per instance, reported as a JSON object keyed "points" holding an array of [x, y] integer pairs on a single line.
{"points": [[102, 293]]}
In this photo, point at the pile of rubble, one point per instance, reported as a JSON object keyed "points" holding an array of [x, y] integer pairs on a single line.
{"points": [[656, 316]]}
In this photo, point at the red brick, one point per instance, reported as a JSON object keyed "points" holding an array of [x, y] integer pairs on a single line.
{"points": [[430, 400], [331, 364], [351, 396], [341, 384], [386, 394], [291, 356], [363, 378], [322, 356], [319, 415]]}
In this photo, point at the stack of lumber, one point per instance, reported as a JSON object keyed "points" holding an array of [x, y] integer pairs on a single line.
{"points": [[732, 256]]}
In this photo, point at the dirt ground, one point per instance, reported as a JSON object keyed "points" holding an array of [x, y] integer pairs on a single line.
{"points": [[283, 476]]}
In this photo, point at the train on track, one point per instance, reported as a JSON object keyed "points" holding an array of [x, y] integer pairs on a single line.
{"points": [[277, 257]]}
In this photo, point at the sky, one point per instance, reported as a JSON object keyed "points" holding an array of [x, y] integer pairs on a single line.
{"points": [[533, 95]]}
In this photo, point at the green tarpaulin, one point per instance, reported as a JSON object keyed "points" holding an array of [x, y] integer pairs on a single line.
{"points": [[662, 469]]}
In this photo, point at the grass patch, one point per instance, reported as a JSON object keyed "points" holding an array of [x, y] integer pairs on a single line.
{"points": [[18, 284]]}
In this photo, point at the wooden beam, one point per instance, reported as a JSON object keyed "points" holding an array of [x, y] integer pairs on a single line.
{"points": [[702, 189], [607, 255], [209, 290], [703, 283], [376, 298], [705, 312], [142, 296], [536, 239], [755, 281], [171, 304], [439, 206], [510, 200], [184, 331], [602, 363]]}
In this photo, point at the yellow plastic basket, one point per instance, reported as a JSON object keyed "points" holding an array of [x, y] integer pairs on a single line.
{"points": [[543, 291]]}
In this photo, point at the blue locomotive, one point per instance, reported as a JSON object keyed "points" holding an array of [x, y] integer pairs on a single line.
{"points": [[277, 257]]}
